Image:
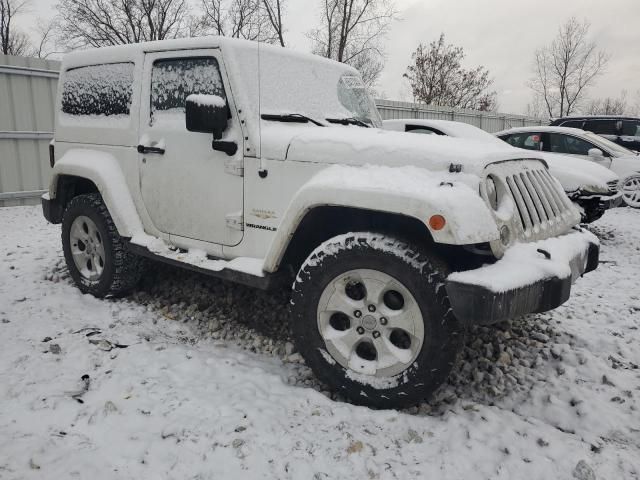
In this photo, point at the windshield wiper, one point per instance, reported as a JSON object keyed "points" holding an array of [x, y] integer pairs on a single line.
{"points": [[348, 121], [290, 117]]}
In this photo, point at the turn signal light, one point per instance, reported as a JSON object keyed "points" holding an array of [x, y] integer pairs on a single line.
{"points": [[437, 222]]}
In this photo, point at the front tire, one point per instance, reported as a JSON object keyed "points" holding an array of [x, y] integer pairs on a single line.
{"points": [[95, 253], [372, 319]]}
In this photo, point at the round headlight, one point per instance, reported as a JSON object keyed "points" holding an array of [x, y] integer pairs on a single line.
{"points": [[492, 192]]}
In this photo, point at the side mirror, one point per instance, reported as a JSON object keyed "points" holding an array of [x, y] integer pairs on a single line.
{"points": [[595, 153], [206, 114]]}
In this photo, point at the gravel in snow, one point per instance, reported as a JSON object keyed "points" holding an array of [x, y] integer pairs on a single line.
{"points": [[195, 378]]}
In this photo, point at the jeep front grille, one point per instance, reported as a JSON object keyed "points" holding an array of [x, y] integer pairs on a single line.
{"points": [[541, 204]]}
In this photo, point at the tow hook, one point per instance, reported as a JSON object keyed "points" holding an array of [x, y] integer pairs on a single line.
{"points": [[545, 253]]}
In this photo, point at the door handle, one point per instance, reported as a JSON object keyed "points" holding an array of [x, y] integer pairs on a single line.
{"points": [[145, 149], [230, 148]]}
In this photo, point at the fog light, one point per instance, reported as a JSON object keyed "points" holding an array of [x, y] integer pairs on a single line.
{"points": [[505, 235], [437, 222]]}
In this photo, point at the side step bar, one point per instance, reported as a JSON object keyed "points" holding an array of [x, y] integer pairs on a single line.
{"points": [[270, 281]]}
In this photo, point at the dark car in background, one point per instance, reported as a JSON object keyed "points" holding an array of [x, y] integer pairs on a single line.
{"points": [[624, 131]]}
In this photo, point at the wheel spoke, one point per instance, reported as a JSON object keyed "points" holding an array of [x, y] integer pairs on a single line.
{"points": [[98, 264], [339, 302], [360, 365], [388, 354], [344, 342], [405, 319], [77, 233], [375, 289]]}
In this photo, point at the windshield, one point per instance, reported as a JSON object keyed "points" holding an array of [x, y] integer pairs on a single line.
{"points": [[353, 96], [614, 148], [292, 83]]}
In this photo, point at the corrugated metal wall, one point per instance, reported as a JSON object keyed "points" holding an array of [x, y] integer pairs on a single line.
{"points": [[489, 121], [27, 98]]}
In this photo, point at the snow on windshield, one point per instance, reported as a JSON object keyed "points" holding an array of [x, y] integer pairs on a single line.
{"points": [[311, 86]]}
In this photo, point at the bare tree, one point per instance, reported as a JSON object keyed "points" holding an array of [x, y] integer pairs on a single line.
{"points": [[437, 77], [609, 105], [12, 41], [44, 32], [99, 23], [352, 31], [275, 12], [564, 69], [258, 20], [635, 108]]}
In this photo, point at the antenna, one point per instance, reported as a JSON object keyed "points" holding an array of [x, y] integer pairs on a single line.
{"points": [[262, 171]]}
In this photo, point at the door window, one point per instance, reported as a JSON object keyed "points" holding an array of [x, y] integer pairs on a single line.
{"points": [[602, 127], [573, 124], [527, 140], [174, 79], [631, 128], [568, 144]]}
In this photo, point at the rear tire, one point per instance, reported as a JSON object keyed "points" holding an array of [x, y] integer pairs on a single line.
{"points": [[96, 256], [372, 319]]}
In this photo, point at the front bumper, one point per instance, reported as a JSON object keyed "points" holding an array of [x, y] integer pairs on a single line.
{"points": [[612, 202], [530, 278], [605, 202]]}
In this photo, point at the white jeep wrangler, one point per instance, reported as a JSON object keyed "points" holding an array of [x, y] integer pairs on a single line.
{"points": [[261, 165]]}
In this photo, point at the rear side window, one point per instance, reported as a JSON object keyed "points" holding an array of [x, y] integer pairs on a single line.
{"points": [[601, 127], [573, 124], [173, 80], [631, 128], [103, 90]]}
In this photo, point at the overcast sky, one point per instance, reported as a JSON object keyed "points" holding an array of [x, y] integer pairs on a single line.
{"points": [[502, 35]]}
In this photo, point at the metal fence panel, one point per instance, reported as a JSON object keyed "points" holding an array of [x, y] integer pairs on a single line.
{"points": [[27, 101], [489, 121]]}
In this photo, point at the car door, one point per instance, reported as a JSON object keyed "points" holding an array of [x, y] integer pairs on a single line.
{"points": [[188, 189], [562, 144]]}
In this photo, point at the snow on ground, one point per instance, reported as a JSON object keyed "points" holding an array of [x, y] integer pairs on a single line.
{"points": [[209, 386]]}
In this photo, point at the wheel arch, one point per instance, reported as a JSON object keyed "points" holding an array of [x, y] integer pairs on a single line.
{"points": [[324, 222], [81, 171]]}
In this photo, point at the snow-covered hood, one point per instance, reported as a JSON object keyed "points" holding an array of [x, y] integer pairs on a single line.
{"points": [[578, 174], [359, 146]]}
